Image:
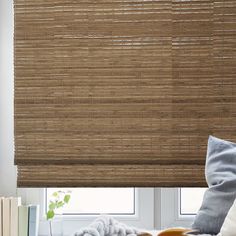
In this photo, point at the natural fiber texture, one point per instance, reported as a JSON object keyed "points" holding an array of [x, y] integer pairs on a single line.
{"points": [[122, 82], [111, 175]]}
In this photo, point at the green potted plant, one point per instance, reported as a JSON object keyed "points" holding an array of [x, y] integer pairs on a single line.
{"points": [[58, 200]]}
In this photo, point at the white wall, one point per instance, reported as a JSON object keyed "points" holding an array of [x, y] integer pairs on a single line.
{"points": [[7, 168]]}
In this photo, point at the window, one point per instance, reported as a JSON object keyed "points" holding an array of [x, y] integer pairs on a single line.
{"points": [[190, 200], [93, 201], [149, 208], [179, 206], [132, 206]]}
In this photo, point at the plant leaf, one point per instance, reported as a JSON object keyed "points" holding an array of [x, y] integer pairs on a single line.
{"points": [[52, 206], [55, 194], [60, 204], [67, 198], [50, 214]]}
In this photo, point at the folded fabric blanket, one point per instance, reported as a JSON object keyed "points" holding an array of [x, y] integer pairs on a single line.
{"points": [[108, 226]]}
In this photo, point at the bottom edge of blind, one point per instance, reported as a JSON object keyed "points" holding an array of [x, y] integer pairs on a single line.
{"points": [[111, 176]]}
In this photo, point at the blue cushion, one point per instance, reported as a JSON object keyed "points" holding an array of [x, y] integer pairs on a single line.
{"points": [[221, 179]]}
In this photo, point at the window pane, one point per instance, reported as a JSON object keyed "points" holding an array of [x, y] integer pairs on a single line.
{"points": [[97, 200], [191, 200]]}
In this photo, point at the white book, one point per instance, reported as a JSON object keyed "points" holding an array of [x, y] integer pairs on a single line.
{"points": [[1, 216], [15, 202], [6, 216]]}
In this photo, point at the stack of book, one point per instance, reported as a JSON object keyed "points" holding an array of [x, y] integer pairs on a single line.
{"points": [[16, 219]]}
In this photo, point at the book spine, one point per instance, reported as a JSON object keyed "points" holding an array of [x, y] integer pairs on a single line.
{"points": [[23, 221], [33, 220], [6, 217], [15, 202]]}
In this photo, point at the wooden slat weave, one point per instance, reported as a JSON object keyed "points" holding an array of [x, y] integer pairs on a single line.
{"points": [[111, 175], [122, 82]]}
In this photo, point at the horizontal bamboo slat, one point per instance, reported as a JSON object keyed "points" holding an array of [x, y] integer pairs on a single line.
{"points": [[111, 175]]}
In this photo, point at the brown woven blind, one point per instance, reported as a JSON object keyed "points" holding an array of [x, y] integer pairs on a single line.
{"points": [[122, 92]]}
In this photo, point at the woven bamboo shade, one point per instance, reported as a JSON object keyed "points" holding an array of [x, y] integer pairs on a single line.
{"points": [[122, 92]]}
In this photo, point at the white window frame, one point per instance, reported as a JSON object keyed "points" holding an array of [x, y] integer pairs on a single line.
{"points": [[143, 217], [170, 209], [155, 208]]}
